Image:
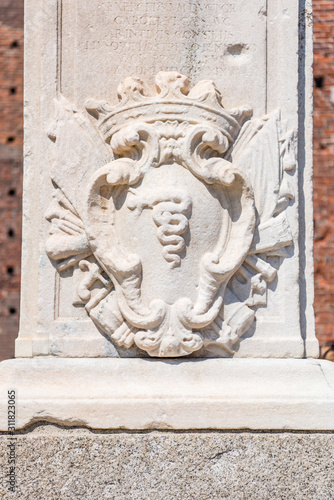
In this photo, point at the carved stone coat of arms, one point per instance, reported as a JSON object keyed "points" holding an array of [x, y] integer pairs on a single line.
{"points": [[170, 206]]}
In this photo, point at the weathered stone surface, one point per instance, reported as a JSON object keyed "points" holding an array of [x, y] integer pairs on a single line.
{"points": [[170, 394], [57, 463], [171, 214], [175, 144], [168, 213]]}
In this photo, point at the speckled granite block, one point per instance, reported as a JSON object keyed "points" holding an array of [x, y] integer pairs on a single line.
{"points": [[57, 463]]}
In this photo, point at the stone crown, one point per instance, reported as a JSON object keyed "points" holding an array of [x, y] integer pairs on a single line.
{"points": [[173, 100]]}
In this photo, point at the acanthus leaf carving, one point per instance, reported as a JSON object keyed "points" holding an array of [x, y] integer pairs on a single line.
{"points": [[178, 206]]}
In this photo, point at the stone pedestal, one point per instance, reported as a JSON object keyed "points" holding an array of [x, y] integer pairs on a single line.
{"points": [[78, 462], [167, 258], [257, 394]]}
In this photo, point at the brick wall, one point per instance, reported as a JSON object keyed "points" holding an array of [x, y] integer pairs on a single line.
{"points": [[324, 168], [11, 136], [11, 117]]}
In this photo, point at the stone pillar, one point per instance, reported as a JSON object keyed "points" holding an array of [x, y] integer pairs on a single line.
{"points": [[228, 80], [167, 257]]}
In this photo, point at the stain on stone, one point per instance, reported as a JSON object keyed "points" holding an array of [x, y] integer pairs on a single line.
{"points": [[236, 49]]}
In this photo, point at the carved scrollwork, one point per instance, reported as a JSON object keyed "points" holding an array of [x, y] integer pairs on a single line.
{"points": [[170, 210], [178, 205]]}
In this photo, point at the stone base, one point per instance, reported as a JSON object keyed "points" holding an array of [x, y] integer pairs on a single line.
{"points": [[56, 463], [180, 394]]}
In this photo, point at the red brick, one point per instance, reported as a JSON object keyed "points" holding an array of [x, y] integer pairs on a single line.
{"points": [[11, 126]]}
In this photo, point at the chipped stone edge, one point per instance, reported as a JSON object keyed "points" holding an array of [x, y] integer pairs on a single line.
{"points": [[136, 394]]}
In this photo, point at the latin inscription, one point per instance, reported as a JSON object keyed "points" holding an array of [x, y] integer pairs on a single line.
{"points": [[222, 41], [144, 35]]}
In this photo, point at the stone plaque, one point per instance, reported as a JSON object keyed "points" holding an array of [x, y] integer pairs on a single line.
{"points": [[166, 212], [223, 41]]}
